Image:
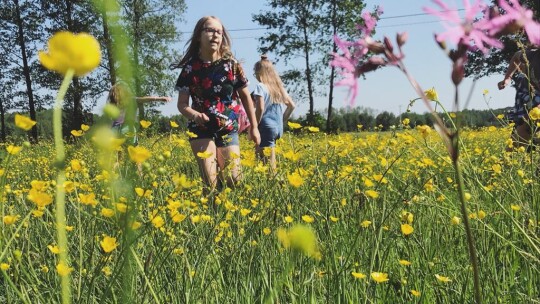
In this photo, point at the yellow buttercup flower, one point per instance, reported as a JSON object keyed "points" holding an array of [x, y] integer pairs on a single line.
{"points": [[67, 51], [54, 249], [313, 129], [63, 269], [406, 121], [24, 122], [294, 125], [173, 124], [365, 224], [415, 293], [106, 271], [4, 266], [443, 279], [372, 193], [107, 212], [431, 94], [191, 134], [534, 114], [204, 155], [295, 179], [77, 133], [404, 262], [406, 229], [358, 275], [308, 219], [138, 154], [85, 127], [11, 149], [108, 244], [379, 277], [145, 124], [424, 130], [41, 199], [10, 219]]}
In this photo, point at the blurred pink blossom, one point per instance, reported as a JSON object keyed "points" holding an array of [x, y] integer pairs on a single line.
{"points": [[515, 13], [467, 32], [353, 53]]}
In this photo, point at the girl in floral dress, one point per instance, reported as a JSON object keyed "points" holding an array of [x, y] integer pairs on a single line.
{"points": [[215, 81]]}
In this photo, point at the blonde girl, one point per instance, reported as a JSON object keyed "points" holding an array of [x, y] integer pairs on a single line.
{"points": [[269, 96]]}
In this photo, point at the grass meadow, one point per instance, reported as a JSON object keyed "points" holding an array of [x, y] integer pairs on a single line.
{"points": [[364, 217]]}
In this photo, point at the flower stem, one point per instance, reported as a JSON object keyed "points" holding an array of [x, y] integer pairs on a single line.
{"points": [[60, 179], [470, 239]]}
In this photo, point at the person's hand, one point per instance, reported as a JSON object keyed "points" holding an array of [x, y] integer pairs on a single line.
{"points": [[503, 84], [254, 135], [200, 118], [166, 99]]}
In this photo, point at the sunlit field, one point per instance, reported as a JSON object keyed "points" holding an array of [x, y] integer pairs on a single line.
{"points": [[368, 217]]}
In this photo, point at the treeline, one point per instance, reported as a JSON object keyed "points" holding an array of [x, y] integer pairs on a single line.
{"points": [[348, 120], [344, 120]]}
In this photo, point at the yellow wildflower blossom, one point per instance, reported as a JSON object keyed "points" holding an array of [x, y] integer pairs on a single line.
{"points": [[23, 122], [67, 51]]}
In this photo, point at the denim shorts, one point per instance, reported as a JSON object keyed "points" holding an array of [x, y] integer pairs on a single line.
{"points": [[221, 139], [269, 135]]}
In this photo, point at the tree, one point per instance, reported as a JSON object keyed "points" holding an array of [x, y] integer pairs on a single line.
{"points": [[342, 16], [151, 27], [385, 119], [293, 25], [496, 62], [20, 25]]}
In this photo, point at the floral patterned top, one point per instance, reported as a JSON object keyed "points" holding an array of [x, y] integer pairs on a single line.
{"points": [[212, 87]]}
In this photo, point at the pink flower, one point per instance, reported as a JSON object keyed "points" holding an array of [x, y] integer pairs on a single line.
{"points": [[347, 63], [464, 31], [521, 16], [370, 21], [353, 52]]}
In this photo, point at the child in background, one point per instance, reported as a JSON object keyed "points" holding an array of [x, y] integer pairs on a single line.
{"points": [[119, 95], [527, 84], [215, 81], [269, 96]]}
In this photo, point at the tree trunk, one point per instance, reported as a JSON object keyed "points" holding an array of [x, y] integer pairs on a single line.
{"points": [[332, 72], [77, 118], [108, 49], [136, 42], [26, 72], [2, 121], [311, 119]]}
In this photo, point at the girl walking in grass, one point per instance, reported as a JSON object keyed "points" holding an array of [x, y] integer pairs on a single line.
{"points": [[270, 96], [215, 81]]}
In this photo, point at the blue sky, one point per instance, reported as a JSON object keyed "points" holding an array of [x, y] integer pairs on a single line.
{"points": [[385, 89]]}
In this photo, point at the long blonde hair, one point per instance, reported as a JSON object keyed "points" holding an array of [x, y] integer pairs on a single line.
{"points": [[195, 43], [266, 74]]}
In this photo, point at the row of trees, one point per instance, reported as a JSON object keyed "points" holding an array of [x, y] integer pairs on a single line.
{"points": [[349, 120], [343, 120], [26, 25]]}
